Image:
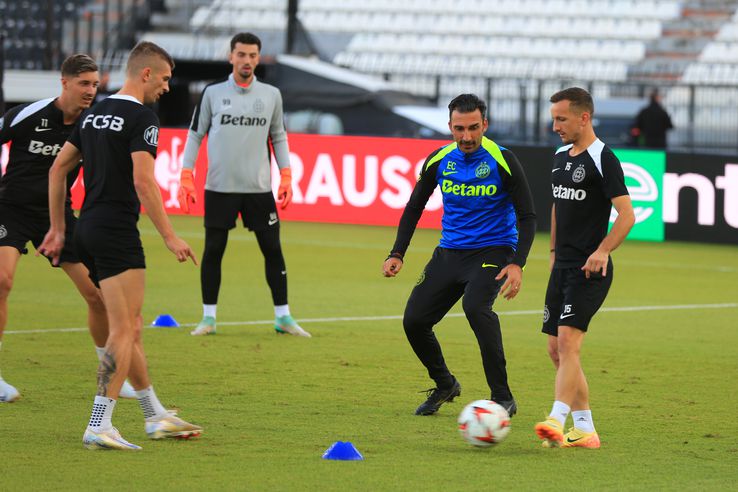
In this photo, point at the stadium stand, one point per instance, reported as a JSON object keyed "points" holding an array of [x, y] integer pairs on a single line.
{"points": [[717, 61], [29, 28], [528, 38], [39, 34], [512, 52]]}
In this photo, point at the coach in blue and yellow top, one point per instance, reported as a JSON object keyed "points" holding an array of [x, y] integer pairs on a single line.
{"points": [[488, 228]]}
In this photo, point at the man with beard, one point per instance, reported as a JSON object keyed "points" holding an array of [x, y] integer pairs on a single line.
{"points": [[487, 230], [243, 120]]}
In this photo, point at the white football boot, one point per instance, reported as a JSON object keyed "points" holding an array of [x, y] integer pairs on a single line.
{"points": [[8, 393], [171, 426], [106, 440]]}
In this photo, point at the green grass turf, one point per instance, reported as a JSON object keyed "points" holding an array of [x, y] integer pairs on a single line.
{"points": [[662, 382]]}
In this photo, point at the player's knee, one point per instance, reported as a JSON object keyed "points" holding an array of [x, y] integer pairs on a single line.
{"points": [[125, 332], [273, 253], [213, 255], [94, 300], [567, 347], [410, 324], [216, 241], [137, 328], [213, 252], [6, 284], [412, 321], [478, 312], [119, 337], [553, 353]]}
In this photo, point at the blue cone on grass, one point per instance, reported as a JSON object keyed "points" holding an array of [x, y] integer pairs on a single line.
{"points": [[165, 321], [343, 451]]}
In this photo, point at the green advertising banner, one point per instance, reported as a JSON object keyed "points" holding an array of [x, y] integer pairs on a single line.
{"points": [[644, 177]]}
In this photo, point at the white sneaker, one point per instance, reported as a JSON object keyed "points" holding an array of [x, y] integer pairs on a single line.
{"points": [[127, 391], [287, 324], [205, 327], [171, 426], [109, 439], [8, 394]]}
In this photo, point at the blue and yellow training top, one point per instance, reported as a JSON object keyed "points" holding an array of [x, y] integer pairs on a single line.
{"points": [[485, 197]]}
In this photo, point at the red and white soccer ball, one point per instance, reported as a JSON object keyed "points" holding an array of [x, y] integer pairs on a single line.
{"points": [[484, 423]]}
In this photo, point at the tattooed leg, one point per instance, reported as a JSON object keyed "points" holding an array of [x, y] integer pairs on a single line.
{"points": [[105, 372], [123, 294]]}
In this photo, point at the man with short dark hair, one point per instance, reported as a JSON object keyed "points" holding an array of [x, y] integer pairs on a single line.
{"points": [[38, 131], [587, 181], [482, 252], [118, 139], [243, 120]]}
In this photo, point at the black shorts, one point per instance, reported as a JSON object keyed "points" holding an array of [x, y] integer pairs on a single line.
{"points": [[258, 210], [108, 248], [572, 299], [18, 226]]}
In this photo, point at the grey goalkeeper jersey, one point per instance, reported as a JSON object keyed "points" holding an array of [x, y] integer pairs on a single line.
{"points": [[239, 122]]}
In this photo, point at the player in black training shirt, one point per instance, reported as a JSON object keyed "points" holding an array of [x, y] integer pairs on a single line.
{"points": [[37, 132], [587, 181], [118, 139]]}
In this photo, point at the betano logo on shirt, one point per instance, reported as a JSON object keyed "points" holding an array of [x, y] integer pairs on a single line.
{"points": [[36, 147], [448, 186], [227, 119], [565, 193]]}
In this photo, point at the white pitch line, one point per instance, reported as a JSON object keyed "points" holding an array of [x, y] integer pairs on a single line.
{"points": [[240, 236], [671, 307]]}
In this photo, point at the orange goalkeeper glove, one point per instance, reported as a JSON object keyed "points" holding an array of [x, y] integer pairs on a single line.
{"points": [[284, 194], [186, 193]]}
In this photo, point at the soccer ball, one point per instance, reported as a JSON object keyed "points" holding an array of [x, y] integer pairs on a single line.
{"points": [[484, 423]]}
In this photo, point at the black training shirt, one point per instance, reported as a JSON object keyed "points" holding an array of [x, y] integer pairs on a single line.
{"points": [[107, 134], [37, 132], [583, 187]]}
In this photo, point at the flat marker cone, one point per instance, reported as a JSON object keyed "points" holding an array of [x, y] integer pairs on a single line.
{"points": [[165, 321], [343, 451]]}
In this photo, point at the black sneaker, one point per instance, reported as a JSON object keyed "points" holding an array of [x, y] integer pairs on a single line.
{"points": [[509, 405], [437, 397]]}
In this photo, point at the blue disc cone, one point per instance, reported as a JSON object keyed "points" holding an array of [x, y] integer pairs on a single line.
{"points": [[165, 321], [344, 451]]}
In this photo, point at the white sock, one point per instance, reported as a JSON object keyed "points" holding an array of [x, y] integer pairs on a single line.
{"points": [[150, 404], [560, 411], [100, 351], [209, 310], [583, 420], [283, 310], [102, 414]]}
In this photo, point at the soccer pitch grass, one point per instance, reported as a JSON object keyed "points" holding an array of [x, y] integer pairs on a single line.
{"points": [[661, 358]]}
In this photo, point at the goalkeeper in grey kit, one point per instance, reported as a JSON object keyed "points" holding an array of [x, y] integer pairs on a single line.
{"points": [[242, 117]]}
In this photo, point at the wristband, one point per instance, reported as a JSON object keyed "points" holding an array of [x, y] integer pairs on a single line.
{"points": [[395, 255]]}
